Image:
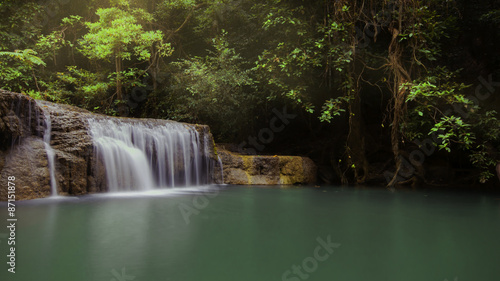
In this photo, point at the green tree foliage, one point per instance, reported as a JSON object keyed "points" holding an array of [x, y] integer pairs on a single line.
{"points": [[440, 106], [119, 36], [22, 73], [18, 32], [216, 89]]}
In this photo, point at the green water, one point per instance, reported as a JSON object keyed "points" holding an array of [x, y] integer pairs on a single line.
{"points": [[258, 234]]}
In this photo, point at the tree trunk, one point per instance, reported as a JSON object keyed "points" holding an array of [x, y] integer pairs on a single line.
{"points": [[396, 121], [119, 92], [155, 76], [356, 141], [400, 76]]}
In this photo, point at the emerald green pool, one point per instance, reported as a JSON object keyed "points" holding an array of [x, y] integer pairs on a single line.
{"points": [[257, 234]]}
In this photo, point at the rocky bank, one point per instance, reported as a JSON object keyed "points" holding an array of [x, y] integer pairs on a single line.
{"points": [[77, 172], [23, 154]]}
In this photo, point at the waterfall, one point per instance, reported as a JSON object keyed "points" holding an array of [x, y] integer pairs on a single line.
{"points": [[149, 154], [219, 161], [50, 152]]}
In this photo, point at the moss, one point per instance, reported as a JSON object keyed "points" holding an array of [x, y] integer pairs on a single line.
{"points": [[291, 170], [265, 170], [248, 164], [215, 147], [249, 177]]}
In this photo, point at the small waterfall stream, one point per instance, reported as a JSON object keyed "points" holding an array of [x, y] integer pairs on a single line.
{"points": [[50, 152], [221, 167], [146, 155]]}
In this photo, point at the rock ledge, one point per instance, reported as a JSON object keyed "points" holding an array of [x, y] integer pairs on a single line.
{"points": [[266, 170]]}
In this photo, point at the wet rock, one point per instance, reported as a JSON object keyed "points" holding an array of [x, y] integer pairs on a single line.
{"points": [[28, 164]]}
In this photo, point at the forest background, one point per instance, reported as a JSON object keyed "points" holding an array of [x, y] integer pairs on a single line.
{"points": [[379, 92]]}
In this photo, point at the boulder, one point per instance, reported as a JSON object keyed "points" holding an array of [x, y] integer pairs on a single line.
{"points": [[266, 170], [498, 170]]}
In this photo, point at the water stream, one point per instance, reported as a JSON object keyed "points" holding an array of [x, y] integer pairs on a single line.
{"points": [[145, 155], [50, 152], [221, 167]]}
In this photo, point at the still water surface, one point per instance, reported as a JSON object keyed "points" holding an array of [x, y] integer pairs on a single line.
{"points": [[258, 234]]}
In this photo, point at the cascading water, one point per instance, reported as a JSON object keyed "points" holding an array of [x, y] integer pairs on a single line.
{"points": [[50, 152], [221, 167], [146, 155]]}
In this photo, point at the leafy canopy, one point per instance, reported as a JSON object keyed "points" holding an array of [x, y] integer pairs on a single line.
{"points": [[119, 34]]}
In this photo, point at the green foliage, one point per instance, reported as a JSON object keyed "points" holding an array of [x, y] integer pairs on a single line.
{"points": [[49, 45], [380, 60], [439, 105], [285, 61], [492, 17], [303, 49], [425, 29], [42, 95], [430, 97], [20, 24], [485, 155], [215, 90], [173, 13], [483, 159], [453, 129], [118, 34], [85, 88], [18, 72], [291, 56], [331, 108], [27, 57]]}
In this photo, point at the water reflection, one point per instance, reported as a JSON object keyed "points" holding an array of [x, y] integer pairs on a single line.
{"points": [[257, 234]]}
